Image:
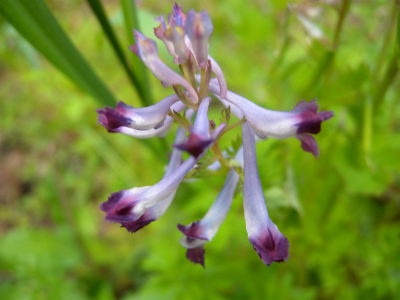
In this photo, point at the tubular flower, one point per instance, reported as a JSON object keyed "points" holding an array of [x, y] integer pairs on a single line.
{"points": [[160, 131], [147, 50], [187, 40], [299, 122], [155, 212], [129, 205], [173, 34], [200, 232], [137, 118], [200, 138], [269, 243], [199, 29]]}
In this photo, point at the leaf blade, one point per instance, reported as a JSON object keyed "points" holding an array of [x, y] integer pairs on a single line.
{"points": [[35, 22]]}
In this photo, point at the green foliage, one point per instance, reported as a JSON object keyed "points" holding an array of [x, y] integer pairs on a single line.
{"points": [[36, 23], [340, 212], [108, 31]]}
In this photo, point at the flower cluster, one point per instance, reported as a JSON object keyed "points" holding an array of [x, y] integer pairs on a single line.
{"points": [[186, 37]]}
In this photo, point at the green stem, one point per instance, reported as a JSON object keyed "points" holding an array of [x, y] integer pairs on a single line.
{"points": [[230, 127], [388, 79]]}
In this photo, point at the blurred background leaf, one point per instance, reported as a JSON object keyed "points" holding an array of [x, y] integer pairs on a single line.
{"points": [[138, 83], [37, 24]]}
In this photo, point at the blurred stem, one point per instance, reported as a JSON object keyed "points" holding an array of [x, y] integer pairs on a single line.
{"points": [[388, 79], [230, 127], [367, 130], [218, 153], [387, 40], [285, 42], [325, 66], [344, 9], [98, 10], [398, 33], [68, 212]]}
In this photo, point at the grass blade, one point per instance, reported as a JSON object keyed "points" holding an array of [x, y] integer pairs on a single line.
{"points": [[131, 21], [34, 21], [398, 38], [98, 10]]}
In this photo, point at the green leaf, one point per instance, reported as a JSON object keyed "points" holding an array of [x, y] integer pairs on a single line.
{"points": [[98, 10], [138, 68], [398, 38], [35, 22]]}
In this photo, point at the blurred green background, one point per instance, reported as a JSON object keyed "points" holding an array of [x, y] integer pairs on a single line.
{"points": [[341, 213]]}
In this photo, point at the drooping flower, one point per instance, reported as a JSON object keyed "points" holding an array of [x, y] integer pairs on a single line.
{"points": [[141, 118], [187, 40], [302, 120], [200, 232], [270, 244], [159, 131], [156, 211], [200, 137], [129, 205]]}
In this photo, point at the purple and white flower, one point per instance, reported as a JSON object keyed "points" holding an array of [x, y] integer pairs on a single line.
{"points": [[158, 210], [199, 29], [142, 118], [270, 244], [147, 50], [200, 232], [129, 205], [200, 137], [302, 120], [187, 40]]}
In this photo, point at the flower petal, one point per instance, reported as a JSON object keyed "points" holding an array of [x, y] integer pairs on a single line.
{"points": [[269, 243], [198, 233], [155, 212], [308, 144], [149, 133], [196, 255], [304, 118], [129, 205], [199, 29], [200, 138], [146, 49], [141, 118], [216, 69], [207, 227]]}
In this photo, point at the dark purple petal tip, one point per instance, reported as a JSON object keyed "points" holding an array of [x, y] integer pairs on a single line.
{"points": [[303, 105], [271, 246], [195, 144], [118, 209], [112, 119], [309, 121], [196, 255], [309, 144], [134, 226], [192, 231]]}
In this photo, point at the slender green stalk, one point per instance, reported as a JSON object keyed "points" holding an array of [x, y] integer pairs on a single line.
{"points": [[98, 10], [398, 34], [325, 67], [132, 22], [389, 76]]}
